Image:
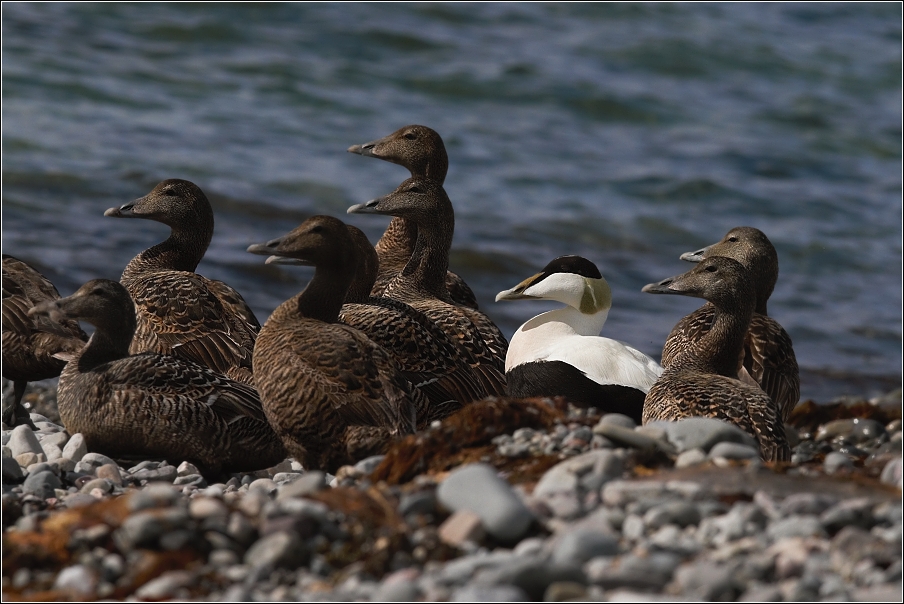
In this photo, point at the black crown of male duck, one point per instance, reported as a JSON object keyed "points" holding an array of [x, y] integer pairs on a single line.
{"points": [[180, 312], [421, 150], [702, 381]]}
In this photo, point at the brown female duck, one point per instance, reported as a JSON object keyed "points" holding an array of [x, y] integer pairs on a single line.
{"points": [[702, 381], [421, 150], [30, 343], [768, 359], [422, 283], [152, 405], [332, 394], [179, 311]]}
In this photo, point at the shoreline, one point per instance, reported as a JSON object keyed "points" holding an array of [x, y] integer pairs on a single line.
{"points": [[512, 500]]}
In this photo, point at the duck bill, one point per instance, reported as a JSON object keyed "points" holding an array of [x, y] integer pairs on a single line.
{"points": [[52, 309], [125, 211], [369, 207], [287, 260], [367, 149], [517, 292], [673, 285], [697, 256]]}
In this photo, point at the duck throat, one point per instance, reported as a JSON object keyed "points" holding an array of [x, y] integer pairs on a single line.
{"points": [[322, 299], [107, 344], [396, 245], [429, 261], [182, 251], [719, 350]]}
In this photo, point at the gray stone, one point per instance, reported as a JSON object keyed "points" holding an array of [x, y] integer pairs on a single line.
{"points": [[308, 483], [78, 578], [153, 496], [41, 484], [168, 585], [146, 527], [76, 448], [576, 547], [419, 502], [893, 473], [78, 500], [836, 461], [532, 575], [23, 440], [160, 474], [795, 526], [283, 478], [806, 504], [630, 438], [400, 586], [28, 459], [187, 469], [265, 485], [52, 451], [11, 471], [54, 438], [732, 450], [620, 493], [709, 581], [651, 571], [478, 488], [679, 513], [849, 512], [488, 593], [98, 483], [195, 480], [565, 486], [277, 550], [207, 507], [618, 419], [369, 464], [691, 457], [705, 432], [110, 472]]}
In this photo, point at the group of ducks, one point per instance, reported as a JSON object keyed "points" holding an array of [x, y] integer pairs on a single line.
{"points": [[382, 342]]}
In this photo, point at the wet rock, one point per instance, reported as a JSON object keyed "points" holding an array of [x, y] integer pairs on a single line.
{"points": [[478, 488]]}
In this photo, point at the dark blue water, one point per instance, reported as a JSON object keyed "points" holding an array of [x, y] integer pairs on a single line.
{"points": [[626, 133]]}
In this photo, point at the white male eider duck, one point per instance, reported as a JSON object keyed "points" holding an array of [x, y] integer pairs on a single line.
{"points": [[179, 311], [560, 352], [421, 150], [703, 380], [768, 360]]}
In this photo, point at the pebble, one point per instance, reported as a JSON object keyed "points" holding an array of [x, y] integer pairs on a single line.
{"points": [[574, 548], [704, 433], [478, 488], [41, 484], [277, 550], [565, 486], [835, 462], [460, 527], [23, 440], [691, 457], [76, 448], [733, 450], [79, 579], [12, 472]]}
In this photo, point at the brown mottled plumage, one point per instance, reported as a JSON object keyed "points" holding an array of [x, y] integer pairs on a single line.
{"points": [[768, 359], [29, 343], [331, 394], [703, 380], [152, 405], [422, 285], [421, 150], [425, 354], [180, 312]]}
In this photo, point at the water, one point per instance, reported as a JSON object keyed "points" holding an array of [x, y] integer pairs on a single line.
{"points": [[626, 133]]}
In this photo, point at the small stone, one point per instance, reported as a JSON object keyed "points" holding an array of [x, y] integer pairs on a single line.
{"points": [[78, 578], [893, 473], [704, 433], [54, 438], [731, 450], [806, 504], [144, 528], [166, 586], [835, 462], [307, 484], [29, 459], [564, 487], [223, 558], [691, 457], [460, 527], [161, 474], [577, 547], [76, 448], [795, 526], [207, 507], [265, 485], [478, 488], [111, 472], [420, 502], [94, 460], [629, 437], [277, 550], [23, 440], [565, 591], [195, 480], [98, 483], [849, 512], [41, 484], [369, 464], [186, 469], [78, 500], [618, 419], [63, 465], [490, 593], [286, 477], [399, 586], [153, 496], [679, 513], [52, 452], [12, 472]]}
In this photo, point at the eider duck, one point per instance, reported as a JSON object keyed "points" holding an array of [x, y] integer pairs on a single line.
{"points": [[702, 381], [30, 343], [421, 150], [768, 359], [560, 352], [180, 312], [332, 395], [425, 354], [422, 283], [152, 405]]}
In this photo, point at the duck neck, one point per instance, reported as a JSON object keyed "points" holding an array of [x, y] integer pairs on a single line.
{"points": [[719, 350], [396, 245], [322, 299], [108, 343], [182, 251], [569, 320], [429, 261]]}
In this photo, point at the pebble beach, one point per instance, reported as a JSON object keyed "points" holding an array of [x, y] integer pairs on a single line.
{"points": [[507, 500]]}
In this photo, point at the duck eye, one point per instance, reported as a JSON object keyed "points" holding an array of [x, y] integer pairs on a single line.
{"points": [[710, 269], [414, 189], [733, 239], [317, 229], [410, 136]]}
